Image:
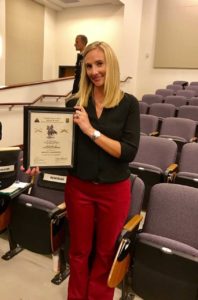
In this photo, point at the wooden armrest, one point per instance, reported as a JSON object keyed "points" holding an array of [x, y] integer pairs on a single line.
{"points": [[132, 223], [170, 172], [154, 133], [56, 213], [120, 266], [62, 205], [172, 168], [193, 140]]}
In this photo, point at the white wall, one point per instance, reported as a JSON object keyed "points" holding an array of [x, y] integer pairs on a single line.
{"points": [[2, 42], [103, 22], [117, 25], [130, 42], [50, 69], [149, 79]]}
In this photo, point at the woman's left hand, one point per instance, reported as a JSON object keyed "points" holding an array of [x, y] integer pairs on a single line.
{"points": [[82, 120]]}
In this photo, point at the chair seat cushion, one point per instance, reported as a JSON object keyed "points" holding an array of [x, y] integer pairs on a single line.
{"points": [[174, 138], [165, 243], [188, 175], [36, 202], [146, 167]]}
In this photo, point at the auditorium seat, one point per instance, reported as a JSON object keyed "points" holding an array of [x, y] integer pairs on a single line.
{"points": [[174, 87], [176, 100], [186, 93], [164, 92], [152, 98], [162, 110], [184, 83], [188, 112], [165, 255], [154, 162], [188, 166], [149, 124], [38, 221], [193, 88], [193, 101], [180, 130], [12, 163], [194, 83], [143, 107], [122, 258]]}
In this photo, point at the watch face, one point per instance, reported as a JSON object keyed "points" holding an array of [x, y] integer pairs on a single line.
{"points": [[96, 134]]}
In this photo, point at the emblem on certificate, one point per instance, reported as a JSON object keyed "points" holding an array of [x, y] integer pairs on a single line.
{"points": [[48, 137]]}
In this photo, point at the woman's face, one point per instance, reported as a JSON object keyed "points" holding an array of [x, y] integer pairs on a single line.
{"points": [[96, 67]]}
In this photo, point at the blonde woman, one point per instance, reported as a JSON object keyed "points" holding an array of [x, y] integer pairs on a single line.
{"points": [[97, 192]]}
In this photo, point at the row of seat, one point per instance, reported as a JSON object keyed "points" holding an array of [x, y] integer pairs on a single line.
{"points": [[165, 252], [178, 101], [169, 110], [179, 88], [181, 130], [23, 208], [38, 223], [157, 161], [189, 92], [36, 218], [184, 83]]}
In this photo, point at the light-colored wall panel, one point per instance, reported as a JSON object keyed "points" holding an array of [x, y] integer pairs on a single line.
{"points": [[24, 41], [176, 37]]}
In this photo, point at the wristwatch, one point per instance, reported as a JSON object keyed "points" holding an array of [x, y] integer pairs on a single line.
{"points": [[96, 134]]}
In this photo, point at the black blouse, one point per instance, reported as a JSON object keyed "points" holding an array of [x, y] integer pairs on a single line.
{"points": [[121, 123]]}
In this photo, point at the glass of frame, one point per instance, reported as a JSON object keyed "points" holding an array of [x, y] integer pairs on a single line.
{"points": [[48, 137]]}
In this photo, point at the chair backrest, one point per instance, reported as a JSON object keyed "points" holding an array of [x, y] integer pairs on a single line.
{"points": [[137, 195], [184, 83], [38, 221], [174, 87], [178, 128], [173, 213], [188, 112], [176, 100], [194, 83], [188, 159], [193, 101], [162, 110], [193, 88], [152, 98], [50, 186], [156, 151], [164, 92], [148, 124], [186, 93], [8, 166], [143, 107]]}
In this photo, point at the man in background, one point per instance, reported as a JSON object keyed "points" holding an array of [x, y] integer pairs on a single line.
{"points": [[0, 130], [80, 44]]}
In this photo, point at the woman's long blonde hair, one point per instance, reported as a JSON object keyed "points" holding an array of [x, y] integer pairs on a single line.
{"points": [[112, 91]]}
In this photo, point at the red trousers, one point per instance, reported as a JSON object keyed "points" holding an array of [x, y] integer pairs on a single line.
{"points": [[96, 212]]}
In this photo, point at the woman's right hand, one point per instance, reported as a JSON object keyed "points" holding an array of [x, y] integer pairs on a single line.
{"points": [[31, 171]]}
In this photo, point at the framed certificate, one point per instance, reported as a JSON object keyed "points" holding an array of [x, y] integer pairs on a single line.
{"points": [[48, 137]]}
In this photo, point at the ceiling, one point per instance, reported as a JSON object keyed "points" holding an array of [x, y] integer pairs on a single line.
{"points": [[62, 4]]}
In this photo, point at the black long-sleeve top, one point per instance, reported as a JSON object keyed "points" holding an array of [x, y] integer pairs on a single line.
{"points": [[121, 123]]}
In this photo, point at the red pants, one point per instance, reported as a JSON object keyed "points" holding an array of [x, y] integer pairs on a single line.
{"points": [[99, 211]]}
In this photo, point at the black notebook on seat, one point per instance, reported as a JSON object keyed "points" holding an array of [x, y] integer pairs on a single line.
{"points": [[8, 166]]}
